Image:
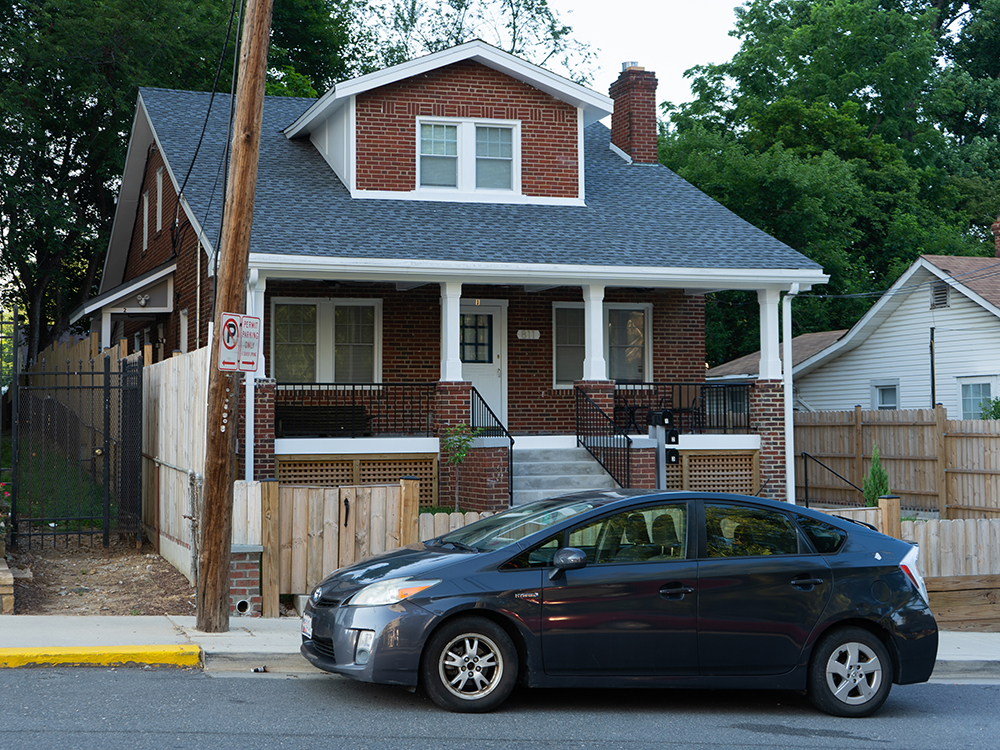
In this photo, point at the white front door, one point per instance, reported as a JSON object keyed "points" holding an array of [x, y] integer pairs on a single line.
{"points": [[483, 347]]}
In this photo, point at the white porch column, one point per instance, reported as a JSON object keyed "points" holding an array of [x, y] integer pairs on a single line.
{"points": [[786, 336], [770, 361], [105, 329], [451, 355], [594, 366], [255, 308]]}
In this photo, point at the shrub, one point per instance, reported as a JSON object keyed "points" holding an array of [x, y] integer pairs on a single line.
{"points": [[876, 484]]}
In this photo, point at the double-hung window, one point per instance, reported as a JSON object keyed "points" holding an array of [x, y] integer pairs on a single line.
{"points": [[326, 340], [626, 343], [974, 395], [468, 155]]}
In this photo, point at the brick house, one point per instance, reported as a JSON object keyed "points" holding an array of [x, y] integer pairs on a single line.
{"points": [[457, 239]]}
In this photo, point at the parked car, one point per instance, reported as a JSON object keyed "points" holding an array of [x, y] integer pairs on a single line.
{"points": [[634, 588]]}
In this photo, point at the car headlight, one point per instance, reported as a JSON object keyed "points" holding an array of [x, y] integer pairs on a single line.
{"points": [[390, 591], [317, 594]]}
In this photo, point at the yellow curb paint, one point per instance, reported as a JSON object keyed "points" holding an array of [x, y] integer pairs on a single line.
{"points": [[102, 656]]}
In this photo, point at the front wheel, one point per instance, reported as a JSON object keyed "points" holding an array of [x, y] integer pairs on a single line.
{"points": [[469, 665], [850, 674]]}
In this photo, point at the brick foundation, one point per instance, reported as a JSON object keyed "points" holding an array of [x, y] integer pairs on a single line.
{"points": [[244, 581], [767, 419]]}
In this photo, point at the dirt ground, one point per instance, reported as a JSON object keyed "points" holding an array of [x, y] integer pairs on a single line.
{"points": [[83, 580]]}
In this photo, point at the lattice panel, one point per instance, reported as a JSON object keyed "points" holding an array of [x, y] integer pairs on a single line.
{"points": [[385, 470], [675, 477], [342, 470], [316, 473], [721, 473]]}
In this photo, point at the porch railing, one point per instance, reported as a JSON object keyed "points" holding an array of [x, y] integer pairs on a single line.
{"points": [[717, 408], [489, 425], [604, 439], [351, 410]]}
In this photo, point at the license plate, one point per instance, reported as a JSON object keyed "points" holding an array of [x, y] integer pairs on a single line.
{"points": [[307, 625]]}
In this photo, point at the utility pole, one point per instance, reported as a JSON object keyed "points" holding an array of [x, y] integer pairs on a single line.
{"points": [[237, 221]]}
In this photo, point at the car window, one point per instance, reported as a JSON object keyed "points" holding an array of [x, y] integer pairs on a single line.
{"points": [[641, 534], [742, 531], [825, 537], [539, 556]]}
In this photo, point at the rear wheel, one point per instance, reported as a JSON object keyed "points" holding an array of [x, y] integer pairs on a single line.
{"points": [[850, 674], [469, 665]]}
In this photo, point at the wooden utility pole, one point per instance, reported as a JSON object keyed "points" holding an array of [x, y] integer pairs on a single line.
{"points": [[220, 450]]}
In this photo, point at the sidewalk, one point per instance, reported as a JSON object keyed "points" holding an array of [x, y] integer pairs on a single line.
{"points": [[252, 643]]}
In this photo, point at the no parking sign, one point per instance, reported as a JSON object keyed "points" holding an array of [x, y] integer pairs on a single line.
{"points": [[239, 343]]}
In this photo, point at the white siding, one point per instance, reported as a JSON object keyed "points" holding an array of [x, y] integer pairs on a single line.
{"points": [[331, 139], [967, 343]]}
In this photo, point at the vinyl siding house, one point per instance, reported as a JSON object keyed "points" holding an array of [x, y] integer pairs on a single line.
{"points": [[458, 238], [933, 337]]}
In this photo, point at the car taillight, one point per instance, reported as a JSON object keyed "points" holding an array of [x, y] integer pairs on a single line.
{"points": [[909, 566]]}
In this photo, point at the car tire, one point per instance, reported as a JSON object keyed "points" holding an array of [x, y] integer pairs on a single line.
{"points": [[850, 673], [469, 665]]}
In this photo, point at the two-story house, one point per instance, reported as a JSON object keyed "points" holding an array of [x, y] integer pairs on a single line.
{"points": [[458, 238]]}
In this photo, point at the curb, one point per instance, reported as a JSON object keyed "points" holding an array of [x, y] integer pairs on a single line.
{"points": [[966, 669], [103, 656], [293, 663]]}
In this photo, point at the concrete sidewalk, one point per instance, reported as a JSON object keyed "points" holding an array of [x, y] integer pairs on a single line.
{"points": [[253, 643]]}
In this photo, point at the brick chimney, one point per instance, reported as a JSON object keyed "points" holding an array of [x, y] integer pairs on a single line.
{"points": [[996, 236], [633, 123]]}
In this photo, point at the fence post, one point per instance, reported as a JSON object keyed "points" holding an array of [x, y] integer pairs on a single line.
{"points": [[409, 510], [941, 465], [888, 506], [270, 540]]}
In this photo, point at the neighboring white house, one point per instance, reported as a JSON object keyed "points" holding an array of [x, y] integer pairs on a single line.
{"points": [[933, 337]]}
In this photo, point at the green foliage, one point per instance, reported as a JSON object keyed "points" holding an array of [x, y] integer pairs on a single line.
{"points": [[456, 443], [990, 409], [862, 133], [876, 484]]}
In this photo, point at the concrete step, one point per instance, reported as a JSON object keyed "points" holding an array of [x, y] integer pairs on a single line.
{"points": [[535, 468], [552, 472], [569, 482]]}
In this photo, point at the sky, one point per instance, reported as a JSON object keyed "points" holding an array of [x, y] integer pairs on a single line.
{"points": [[664, 36]]}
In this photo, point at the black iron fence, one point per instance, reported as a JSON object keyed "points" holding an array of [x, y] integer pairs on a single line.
{"points": [[806, 458], [77, 453], [717, 408], [604, 439], [353, 410]]}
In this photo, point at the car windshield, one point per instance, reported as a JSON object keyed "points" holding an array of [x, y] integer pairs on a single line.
{"points": [[514, 524]]}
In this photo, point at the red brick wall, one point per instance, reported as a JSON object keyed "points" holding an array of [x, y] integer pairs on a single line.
{"points": [[633, 124], [161, 247], [387, 136], [767, 419], [244, 583]]}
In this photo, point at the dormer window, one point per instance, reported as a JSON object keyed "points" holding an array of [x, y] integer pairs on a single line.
{"points": [[469, 155]]}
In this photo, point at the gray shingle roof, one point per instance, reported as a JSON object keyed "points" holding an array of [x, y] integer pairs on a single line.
{"points": [[635, 215]]}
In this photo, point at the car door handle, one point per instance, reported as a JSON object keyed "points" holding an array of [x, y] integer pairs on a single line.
{"points": [[675, 591], [806, 584]]}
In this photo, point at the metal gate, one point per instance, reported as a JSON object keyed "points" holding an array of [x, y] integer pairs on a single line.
{"points": [[77, 453]]}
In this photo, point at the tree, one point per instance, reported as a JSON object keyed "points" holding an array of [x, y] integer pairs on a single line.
{"points": [[529, 29], [876, 484], [456, 442], [837, 129]]}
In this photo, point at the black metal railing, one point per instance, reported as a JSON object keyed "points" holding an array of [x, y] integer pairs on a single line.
{"points": [[352, 410], [717, 408], [806, 458], [604, 439], [488, 425]]}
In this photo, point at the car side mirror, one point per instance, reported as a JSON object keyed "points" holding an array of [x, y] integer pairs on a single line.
{"points": [[567, 558]]}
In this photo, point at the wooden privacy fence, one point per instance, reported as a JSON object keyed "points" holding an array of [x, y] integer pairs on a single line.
{"points": [[934, 463]]}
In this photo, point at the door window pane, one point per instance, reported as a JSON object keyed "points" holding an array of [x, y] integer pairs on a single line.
{"points": [[477, 338], [741, 531], [494, 158], [295, 343], [439, 155], [973, 396], [626, 344], [569, 344], [354, 344]]}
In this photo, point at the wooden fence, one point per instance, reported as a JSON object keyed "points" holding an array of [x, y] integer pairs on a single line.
{"points": [[933, 463]]}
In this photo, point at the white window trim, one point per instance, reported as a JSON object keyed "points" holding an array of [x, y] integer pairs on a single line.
{"points": [[646, 307], [145, 221], [990, 380], [159, 199], [466, 169], [325, 307], [885, 383]]}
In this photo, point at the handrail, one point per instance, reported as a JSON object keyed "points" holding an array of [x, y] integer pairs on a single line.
{"points": [[697, 407], [603, 439], [806, 457], [488, 424]]}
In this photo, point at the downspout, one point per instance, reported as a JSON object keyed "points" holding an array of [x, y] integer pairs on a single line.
{"points": [[786, 336], [250, 381]]}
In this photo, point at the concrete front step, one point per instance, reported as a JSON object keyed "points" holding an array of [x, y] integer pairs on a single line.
{"points": [[548, 472]]}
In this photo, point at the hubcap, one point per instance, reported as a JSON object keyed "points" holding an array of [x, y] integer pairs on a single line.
{"points": [[854, 673], [470, 666]]}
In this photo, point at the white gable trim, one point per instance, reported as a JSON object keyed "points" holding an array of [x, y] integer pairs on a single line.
{"points": [[595, 106]]}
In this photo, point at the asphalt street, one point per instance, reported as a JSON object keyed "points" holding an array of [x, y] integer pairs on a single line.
{"points": [[69, 708]]}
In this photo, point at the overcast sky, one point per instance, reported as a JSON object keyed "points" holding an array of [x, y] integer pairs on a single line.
{"points": [[665, 36]]}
